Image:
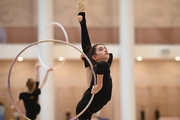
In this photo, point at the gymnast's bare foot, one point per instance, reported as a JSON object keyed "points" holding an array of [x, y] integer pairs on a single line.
{"points": [[81, 8]]}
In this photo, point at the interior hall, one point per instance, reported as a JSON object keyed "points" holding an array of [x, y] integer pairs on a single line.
{"points": [[143, 35]]}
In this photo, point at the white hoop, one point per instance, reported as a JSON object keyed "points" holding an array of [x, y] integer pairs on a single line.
{"points": [[42, 41], [67, 40]]}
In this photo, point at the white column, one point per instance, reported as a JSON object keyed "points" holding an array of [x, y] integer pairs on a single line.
{"points": [[47, 97], [127, 84]]}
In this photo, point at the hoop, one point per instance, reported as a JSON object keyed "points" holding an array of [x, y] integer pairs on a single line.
{"points": [[67, 40], [42, 41]]}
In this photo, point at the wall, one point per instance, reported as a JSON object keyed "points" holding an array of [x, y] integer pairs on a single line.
{"points": [[156, 22]]}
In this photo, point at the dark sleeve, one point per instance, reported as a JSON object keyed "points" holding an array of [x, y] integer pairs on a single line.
{"points": [[37, 91], [21, 96], [37, 84], [110, 58], [101, 67]]}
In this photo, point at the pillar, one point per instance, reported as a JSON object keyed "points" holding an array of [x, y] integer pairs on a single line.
{"points": [[127, 82], [47, 97]]}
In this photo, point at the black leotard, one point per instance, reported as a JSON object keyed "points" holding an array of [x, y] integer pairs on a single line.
{"points": [[30, 101], [104, 95]]}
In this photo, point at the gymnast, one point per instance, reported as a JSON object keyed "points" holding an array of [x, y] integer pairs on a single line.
{"points": [[30, 98], [101, 60]]}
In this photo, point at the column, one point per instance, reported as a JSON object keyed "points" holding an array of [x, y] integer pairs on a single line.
{"points": [[127, 81], [47, 97]]}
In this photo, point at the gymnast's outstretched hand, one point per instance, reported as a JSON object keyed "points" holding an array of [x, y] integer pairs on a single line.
{"points": [[95, 89]]}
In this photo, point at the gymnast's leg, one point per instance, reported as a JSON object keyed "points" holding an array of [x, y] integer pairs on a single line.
{"points": [[85, 40]]}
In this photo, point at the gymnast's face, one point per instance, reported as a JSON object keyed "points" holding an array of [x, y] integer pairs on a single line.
{"points": [[101, 53]]}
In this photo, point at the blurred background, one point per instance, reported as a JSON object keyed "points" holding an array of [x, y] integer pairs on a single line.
{"points": [[157, 54]]}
